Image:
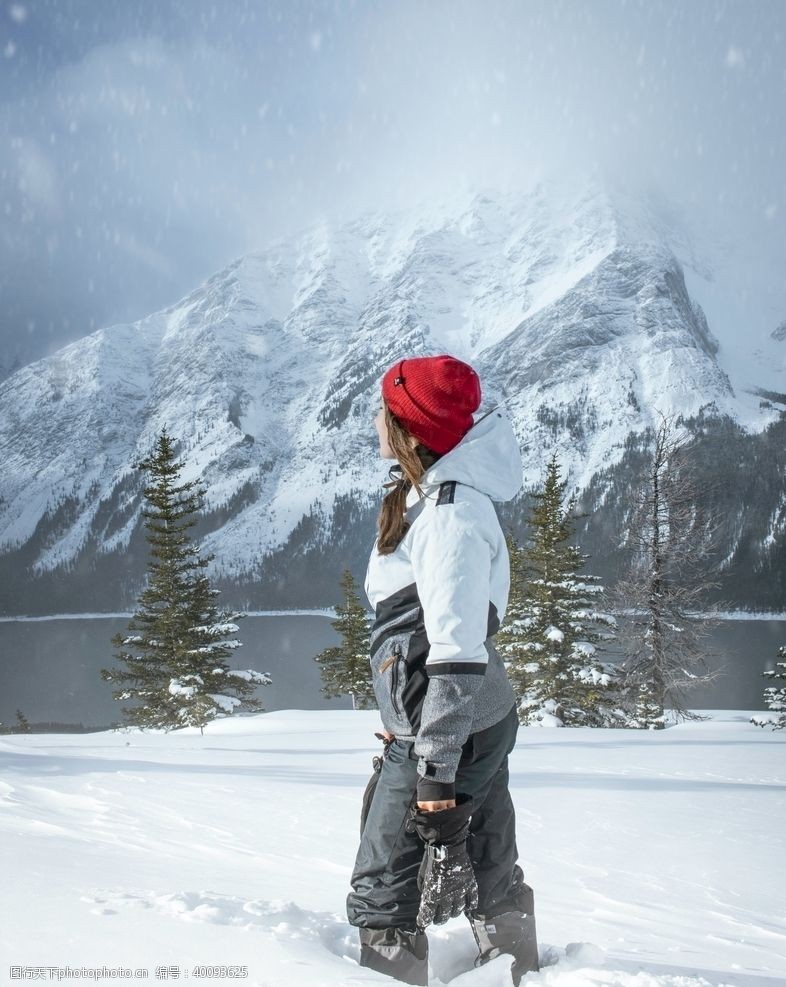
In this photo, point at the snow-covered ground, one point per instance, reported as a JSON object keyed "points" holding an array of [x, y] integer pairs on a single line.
{"points": [[656, 857]]}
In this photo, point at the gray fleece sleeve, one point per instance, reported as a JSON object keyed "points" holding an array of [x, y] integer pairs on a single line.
{"points": [[451, 562]]}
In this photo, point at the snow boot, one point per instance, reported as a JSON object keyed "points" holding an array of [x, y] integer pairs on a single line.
{"points": [[508, 932], [396, 952]]}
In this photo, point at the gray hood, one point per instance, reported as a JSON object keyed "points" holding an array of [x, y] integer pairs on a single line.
{"points": [[488, 458]]}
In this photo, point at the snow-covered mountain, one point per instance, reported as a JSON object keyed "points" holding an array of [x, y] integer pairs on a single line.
{"points": [[570, 301]]}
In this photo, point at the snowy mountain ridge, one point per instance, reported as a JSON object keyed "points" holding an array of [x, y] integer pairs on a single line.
{"points": [[571, 303]]}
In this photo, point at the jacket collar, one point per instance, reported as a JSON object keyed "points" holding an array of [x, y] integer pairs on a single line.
{"points": [[487, 458]]}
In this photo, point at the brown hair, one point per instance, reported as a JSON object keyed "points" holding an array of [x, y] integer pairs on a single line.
{"points": [[412, 463]]}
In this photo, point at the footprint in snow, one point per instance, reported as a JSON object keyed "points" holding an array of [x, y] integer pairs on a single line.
{"points": [[451, 950], [281, 919]]}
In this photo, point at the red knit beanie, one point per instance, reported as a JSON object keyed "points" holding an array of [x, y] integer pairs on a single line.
{"points": [[433, 397]]}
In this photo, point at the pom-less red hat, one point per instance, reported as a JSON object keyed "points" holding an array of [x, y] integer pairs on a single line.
{"points": [[433, 397]]}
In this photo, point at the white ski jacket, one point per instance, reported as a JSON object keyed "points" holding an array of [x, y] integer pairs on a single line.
{"points": [[438, 600]]}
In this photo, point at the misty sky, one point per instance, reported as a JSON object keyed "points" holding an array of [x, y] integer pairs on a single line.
{"points": [[147, 143]]}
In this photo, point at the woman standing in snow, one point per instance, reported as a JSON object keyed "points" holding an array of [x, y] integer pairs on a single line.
{"points": [[438, 833]]}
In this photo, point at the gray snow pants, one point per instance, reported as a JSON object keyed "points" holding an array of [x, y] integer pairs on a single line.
{"points": [[384, 892]]}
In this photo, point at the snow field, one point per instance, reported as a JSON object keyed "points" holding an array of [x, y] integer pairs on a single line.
{"points": [[655, 857]]}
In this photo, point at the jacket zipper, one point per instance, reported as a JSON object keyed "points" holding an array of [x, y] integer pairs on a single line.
{"points": [[394, 677]]}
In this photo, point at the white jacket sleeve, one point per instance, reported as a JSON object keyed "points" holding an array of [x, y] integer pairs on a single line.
{"points": [[451, 562]]}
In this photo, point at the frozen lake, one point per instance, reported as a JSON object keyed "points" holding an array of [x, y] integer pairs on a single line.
{"points": [[49, 667]]}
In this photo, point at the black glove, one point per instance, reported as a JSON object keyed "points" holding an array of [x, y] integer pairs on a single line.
{"points": [[445, 879]]}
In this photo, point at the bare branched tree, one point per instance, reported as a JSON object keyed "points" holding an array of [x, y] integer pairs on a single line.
{"points": [[662, 600]]}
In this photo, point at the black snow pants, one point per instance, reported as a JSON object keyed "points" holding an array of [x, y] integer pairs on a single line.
{"points": [[385, 894]]}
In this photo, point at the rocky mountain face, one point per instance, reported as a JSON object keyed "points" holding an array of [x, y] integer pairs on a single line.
{"points": [[572, 305]]}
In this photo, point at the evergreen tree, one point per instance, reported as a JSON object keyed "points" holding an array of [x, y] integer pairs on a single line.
{"points": [[775, 696], [22, 724], [345, 668], [178, 673], [554, 630], [508, 639]]}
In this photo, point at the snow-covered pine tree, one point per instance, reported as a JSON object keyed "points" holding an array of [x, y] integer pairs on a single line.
{"points": [[22, 723], [555, 630], [511, 639], [662, 597], [774, 696], [177, 673], [345, 668], [518, 570]]}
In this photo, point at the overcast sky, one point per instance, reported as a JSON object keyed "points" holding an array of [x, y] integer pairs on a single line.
{"points": [[147, 143]]}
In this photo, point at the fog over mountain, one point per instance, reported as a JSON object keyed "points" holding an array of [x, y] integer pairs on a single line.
{"points": [[147, 144]]}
